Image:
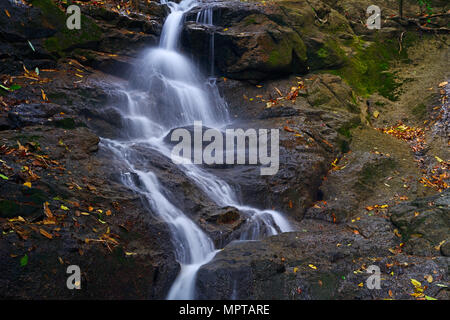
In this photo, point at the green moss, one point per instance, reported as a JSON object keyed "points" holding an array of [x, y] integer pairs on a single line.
{"points": [[420, 111], [367, 71], [249, 20], [274, 57], [330, 55], [322, 53], [372, 172], [65, 39], [345, 130]]}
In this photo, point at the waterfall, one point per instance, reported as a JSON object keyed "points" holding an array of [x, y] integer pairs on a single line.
{"points": [[166, 92]]}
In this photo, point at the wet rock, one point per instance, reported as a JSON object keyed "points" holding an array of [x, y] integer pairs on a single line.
{"points": [[40, 114], [252, 45]]}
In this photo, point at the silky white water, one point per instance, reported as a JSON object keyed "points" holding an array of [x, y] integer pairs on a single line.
{"points": [[167, 92]]}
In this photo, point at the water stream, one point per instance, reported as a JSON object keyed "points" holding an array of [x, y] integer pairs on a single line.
{"points": [[167, 92]]}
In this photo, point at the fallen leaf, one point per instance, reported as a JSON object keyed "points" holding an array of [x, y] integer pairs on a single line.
{"points": [[27, 184], [44, 96], [443, 84], [312, 266], [376, 114], [439, 159], [63, 207], [416, 283], [24, 260], [47, 211], [45, 233]]}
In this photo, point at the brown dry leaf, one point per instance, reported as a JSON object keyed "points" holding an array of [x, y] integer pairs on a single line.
{"points": [[7, 13], [108, 212], [278, 91], [286, 128], [47, 211], [45, 233], [443, 84]]}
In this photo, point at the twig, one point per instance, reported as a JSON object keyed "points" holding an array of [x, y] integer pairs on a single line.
{"points": [[400, 42]]}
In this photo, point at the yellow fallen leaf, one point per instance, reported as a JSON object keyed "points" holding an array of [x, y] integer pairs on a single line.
{"points": [[27, 184], [64, 207], [44, 96], [361, 285], [7, 13], [439, 159], [295, 269], [376, 114], [312, 266], [416, 283], [85, 213], [429, 278], [442, 84], [108, 212], [130, 253]]}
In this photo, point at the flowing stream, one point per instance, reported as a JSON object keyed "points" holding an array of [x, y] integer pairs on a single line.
{"points": [[167, 92]]}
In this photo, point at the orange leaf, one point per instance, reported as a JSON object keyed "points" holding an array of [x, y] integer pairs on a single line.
{"points": [[45, 233]]}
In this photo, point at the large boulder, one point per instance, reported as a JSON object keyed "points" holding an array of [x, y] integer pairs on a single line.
{"points": [[324, 261], [259, 41], [424, 224]]}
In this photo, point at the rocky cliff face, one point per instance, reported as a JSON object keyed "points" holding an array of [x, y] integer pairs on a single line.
{"points": [[308, 68]]}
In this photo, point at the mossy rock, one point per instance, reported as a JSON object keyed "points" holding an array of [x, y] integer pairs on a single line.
{"points": [[66, 39], [367, 69]]}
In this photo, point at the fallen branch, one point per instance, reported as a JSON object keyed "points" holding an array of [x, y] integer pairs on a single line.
{"points": [[417, 22]]}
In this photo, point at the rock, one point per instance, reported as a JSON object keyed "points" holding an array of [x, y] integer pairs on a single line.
{"points": [[142, 265], [41, 114], [425, 231], [323, 262], [345, 188]]}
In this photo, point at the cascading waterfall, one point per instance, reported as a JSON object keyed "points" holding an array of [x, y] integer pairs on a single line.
{"points": [[166, 92], [205, 17]]}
